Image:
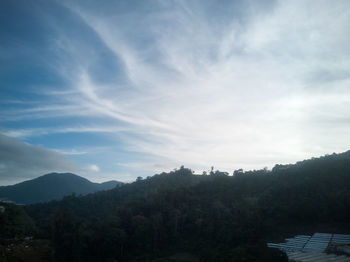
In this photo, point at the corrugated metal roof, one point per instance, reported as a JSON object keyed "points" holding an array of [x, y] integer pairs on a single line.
{"points": [[316, 243], [304, 248], [316, 257]]}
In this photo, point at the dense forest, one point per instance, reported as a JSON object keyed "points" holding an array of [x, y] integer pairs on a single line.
{"points": [[215, 216]]}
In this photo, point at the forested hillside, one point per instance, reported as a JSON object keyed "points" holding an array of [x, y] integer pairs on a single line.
{"points": [[214, 216]]}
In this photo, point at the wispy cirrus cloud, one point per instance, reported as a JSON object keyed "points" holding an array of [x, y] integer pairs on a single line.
{"points": [[234, 96], [241, 84], [30, 132]]}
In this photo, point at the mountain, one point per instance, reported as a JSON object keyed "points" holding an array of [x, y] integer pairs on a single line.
{"points": [[52, 186], [215, 217]]}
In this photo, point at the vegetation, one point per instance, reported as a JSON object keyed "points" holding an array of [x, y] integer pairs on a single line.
{"points": [[214, 217], [14, 222], [16, 243]]}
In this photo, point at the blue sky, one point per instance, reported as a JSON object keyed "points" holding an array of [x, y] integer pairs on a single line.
{"points": [[120, 89]]}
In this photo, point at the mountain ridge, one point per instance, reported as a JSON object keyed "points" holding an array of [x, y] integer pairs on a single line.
{"points": [[214, 216], [52, 186]]}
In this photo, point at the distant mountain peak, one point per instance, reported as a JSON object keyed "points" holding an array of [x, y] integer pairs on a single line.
{"points": [[52, 186]]}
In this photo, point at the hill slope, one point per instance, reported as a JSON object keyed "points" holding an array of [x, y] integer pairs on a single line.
{"points": [[50, 187], [217, 217]]}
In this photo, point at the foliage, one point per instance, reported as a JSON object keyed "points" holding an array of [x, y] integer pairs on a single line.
{"points": [[216, 216], [244, 253], [26, 250], [14, 222]]}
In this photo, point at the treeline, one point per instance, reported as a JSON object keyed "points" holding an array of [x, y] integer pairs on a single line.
{"points": [[215, 216]]}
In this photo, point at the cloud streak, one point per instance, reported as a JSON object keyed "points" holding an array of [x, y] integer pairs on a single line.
{"points": [[247, 87], [31, 132], [237, 96]]}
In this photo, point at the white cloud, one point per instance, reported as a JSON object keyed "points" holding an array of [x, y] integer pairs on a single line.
{"points": [[94, 168], [246, 94], [71, 152], [238, 97], [31, 132]]}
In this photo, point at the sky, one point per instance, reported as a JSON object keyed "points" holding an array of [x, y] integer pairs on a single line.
{"points": [[121, 89]]}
